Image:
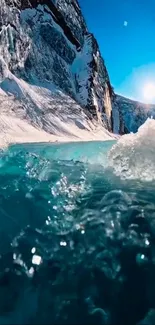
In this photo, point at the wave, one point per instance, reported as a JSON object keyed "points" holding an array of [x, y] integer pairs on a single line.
{"points": [[133, 156]]}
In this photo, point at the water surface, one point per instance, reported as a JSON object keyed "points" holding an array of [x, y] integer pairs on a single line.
{"points": [[76, 242]]}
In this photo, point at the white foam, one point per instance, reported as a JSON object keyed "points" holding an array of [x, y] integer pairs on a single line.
{"points": [[133, 156]]}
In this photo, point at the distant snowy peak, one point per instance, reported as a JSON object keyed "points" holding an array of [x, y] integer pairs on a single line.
{"points": [[48, 41], [133, 113]]}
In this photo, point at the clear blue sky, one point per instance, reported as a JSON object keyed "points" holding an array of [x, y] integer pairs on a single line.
{"points": [[129, 51]]}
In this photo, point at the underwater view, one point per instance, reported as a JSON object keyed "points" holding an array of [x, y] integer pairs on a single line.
{"points": [[77, 242]]}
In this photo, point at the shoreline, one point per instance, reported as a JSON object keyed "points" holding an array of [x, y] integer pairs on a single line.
{"points": [[18, 131], [52, 142], [56, 142]]}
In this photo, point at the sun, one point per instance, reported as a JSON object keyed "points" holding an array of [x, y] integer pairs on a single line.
{"points": [[149, 91]]}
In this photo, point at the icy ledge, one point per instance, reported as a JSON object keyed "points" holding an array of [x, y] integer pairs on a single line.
{"points": [[133, 156]]}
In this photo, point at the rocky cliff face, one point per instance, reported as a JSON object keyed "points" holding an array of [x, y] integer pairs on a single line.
{"points": [[48, 41], [132, 113]]}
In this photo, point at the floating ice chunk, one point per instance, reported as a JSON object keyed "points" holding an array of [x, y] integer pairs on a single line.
{"points": [[133, 156], [36, 259]]}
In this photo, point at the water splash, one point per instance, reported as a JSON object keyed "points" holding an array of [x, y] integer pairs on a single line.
{"points": [[133, 156]]}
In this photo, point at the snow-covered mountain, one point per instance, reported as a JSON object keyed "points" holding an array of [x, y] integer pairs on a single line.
{"points": [[50, 63], [45, 45]]}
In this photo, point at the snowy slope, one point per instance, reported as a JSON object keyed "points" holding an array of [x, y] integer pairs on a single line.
{"points": [[30, 113]]}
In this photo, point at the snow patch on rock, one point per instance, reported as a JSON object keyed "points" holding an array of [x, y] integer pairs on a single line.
{"points": [[81, 71]]}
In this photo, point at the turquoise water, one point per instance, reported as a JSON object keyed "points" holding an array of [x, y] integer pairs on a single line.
{"points": [[91, 152], [76, 242]]}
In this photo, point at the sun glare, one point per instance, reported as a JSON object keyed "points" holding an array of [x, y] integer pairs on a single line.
{"points": [[149, 91]]}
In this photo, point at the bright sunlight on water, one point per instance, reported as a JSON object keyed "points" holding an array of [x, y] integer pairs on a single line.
{"points": [[77, 243]]}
